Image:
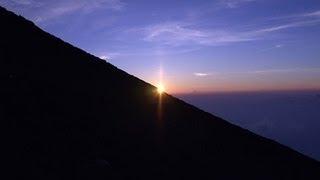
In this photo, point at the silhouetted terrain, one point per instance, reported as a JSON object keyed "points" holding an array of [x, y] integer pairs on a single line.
{"points": [[69, 115]]}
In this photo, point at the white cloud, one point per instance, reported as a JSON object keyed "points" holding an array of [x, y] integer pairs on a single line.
{"points": [[109, 55], [104, 57], [199, 74]]}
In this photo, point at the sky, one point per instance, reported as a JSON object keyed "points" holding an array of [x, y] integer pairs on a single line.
{"points": [[195, 45]]}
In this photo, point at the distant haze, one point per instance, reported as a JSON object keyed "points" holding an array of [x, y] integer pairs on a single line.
{"points": [[291, 118]]}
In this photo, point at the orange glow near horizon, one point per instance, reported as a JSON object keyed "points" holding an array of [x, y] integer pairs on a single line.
{"points": [[176, 82], [189, 86]]}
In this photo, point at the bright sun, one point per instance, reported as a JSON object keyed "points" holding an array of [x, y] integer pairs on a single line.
{"points": [[160, 88]]}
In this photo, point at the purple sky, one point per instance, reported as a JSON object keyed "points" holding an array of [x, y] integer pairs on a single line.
{"points": [[202, 46]]}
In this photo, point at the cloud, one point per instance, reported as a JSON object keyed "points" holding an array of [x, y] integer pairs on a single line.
{"points": [[183, 33], [179, 33], [288, 22], [289, 25], [47, 9], [311, 14], [199, 74], [277, 46], [23, 2], [104, 57], [234, 3], [314, 14], [108, 56]]}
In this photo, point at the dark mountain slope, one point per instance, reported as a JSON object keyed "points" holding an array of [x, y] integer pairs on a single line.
{"points": [[69, 115]]}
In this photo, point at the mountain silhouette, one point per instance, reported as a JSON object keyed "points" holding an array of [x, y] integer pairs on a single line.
{"points": [[67, 114]]}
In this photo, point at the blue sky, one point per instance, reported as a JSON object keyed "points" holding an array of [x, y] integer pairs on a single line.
{"points": [[202, 46]]}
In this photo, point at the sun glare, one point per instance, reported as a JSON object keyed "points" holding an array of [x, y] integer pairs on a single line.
{"points": [[160, 88]]}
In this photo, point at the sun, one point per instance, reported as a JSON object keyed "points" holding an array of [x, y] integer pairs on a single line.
{"points": [[160, 88]]}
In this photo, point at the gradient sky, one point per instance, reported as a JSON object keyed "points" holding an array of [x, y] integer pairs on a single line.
{"points": [[201, 46]]}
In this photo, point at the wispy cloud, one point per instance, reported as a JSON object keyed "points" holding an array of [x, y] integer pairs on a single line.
{"points": [[48, 9], [23, 2], [177, 33], [289, 25], [234, 3], [183, 33], [313, 14]]}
